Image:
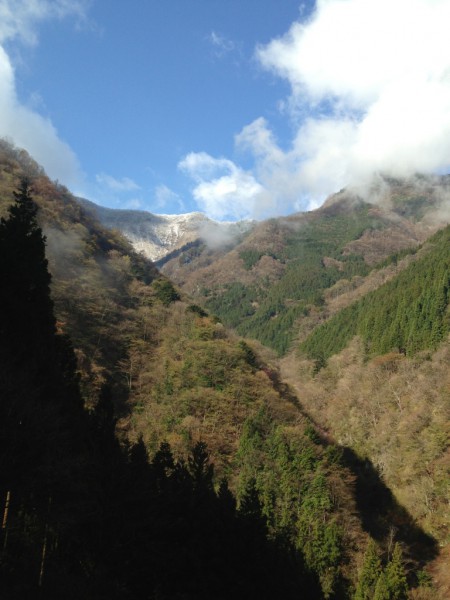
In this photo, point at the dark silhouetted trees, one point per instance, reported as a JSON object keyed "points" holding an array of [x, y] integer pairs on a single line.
{"points": [[84, 516]]}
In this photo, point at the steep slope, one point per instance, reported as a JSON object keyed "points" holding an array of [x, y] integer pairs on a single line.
{"points": [[406, 314], [281, 271], [85, 517], [403, 330], [377, 380], [176, 374]]}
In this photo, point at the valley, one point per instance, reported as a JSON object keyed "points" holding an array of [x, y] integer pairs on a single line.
{"points": [[308, 353]]}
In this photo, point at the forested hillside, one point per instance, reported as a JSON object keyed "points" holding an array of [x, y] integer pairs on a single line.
{"points": [[110, 489], [406, 315], [86, 517], [280, 273]]}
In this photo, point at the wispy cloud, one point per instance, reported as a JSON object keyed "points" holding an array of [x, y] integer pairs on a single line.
{"points": [[125, 184], [221, 44], [223, 47], [19, 20], [165, 198]]}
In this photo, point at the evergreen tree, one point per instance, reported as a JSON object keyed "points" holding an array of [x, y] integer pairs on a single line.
{"points": [[395, 576], [382, 589], [40, 405], [200, 468], [27, 331], [369, 574]]}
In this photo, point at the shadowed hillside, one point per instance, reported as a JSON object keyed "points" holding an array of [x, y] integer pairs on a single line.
{"points": [[175, 374]]}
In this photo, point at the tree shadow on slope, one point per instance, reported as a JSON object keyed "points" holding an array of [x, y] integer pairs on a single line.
{"points": [[381, 514]]}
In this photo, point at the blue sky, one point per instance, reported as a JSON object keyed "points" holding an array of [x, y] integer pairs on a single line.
{"points": [[238, 108]]}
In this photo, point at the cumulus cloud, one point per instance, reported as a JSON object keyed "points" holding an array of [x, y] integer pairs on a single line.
{"points": [[370, 93], [26, 127], [223, 190], [370, 83]]}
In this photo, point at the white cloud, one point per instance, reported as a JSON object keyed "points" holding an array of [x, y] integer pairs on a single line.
{"points": [[370, 93], [117, 185], [18, 18], [375, 77], [223, 190], [26, 127]]}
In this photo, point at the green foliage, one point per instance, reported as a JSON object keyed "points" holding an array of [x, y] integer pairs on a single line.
{"points": [[395, 576], [286, 476], [395, 258], [381, 589], [376, 583], [233, 303], [165, 291], [411, 206], [408, 314], [268, 311], [369, 574], [424, 579], [250, 257]]}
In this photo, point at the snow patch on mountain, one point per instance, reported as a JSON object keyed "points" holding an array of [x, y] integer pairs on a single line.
{"points": [[156, 236]]}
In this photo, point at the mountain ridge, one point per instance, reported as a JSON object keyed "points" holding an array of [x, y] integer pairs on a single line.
{"points": [[157, 235]]}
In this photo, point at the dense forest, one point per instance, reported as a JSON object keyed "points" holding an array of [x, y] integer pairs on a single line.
{"points": [[267, 311], [148, 453], [406, 315]]}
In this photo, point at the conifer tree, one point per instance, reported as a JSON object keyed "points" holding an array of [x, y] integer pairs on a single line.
{"points": [[27, 329], [395, 576], [369, 574], [25, 276], [40, 405], [200, 468], [382, 589]]}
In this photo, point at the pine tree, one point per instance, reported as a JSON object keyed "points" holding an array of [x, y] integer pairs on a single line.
{"points": [[369, 574], [395, 576], [382, 589], [40, 405], [27, 330], [200, 469]]}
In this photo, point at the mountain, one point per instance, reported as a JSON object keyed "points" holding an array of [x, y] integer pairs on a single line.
{"points": [[262, 278], [319, 453], [176, 375], [157, 236], [285, 269]]}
